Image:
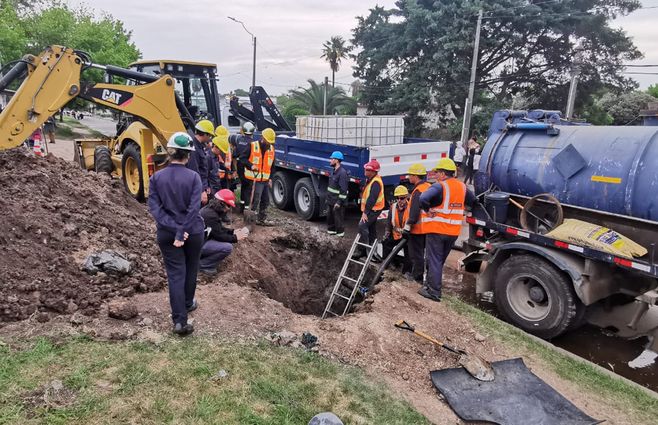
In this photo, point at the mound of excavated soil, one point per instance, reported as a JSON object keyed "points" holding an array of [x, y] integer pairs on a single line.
{"points": [[54, 215]]}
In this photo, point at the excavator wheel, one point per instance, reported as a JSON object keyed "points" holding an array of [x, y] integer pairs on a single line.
{"points": [[103, 160], [131, 172]]}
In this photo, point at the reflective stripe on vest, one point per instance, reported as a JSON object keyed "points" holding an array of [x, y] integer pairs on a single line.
{"points": [[380, 204], [262, 162], [417, 229], [395, 220], [446, 219]]}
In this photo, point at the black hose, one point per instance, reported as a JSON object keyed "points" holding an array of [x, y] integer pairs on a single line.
{"points": [[15, 72], [386, 262]]}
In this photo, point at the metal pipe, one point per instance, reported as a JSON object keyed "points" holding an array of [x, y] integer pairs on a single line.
{"points": [[15, 72], [129, 73], [529, 126]]}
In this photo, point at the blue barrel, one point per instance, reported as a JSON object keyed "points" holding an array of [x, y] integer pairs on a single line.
{"points": [[496, 204], [606, 168]]}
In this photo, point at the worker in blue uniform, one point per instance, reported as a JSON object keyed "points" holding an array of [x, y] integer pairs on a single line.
{"points": [[337, 195], [241, 144], [204, 131], [174, 202]]}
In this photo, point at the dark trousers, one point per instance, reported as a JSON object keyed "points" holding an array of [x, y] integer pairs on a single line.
{"points": [[261, 198], [335, 217], [182, 265], [368, 230], [245, 187], [437, 248], [469, 174], [416, 245], [213, 252], [387, 246]]}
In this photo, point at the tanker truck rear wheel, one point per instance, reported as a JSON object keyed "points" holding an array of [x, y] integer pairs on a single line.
{"points": [[535, 296]]}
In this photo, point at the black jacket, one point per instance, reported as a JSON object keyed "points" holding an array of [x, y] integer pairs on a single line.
{"points": [[218, 232], [338, 185], [198, 162]]}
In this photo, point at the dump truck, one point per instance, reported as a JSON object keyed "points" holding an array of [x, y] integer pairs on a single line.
{"points": [[537, 170]]}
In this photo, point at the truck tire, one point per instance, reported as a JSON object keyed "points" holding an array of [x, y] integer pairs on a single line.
{"points": [[535, 296], [131, 171], [307, 202], [103, 160], [283, 190]]}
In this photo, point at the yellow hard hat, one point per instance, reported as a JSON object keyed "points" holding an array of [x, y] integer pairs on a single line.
{"points": [[269, 135], [205, 126], [221, 131], [446, 164], [221, 143], [401, 191], [417, 170]]}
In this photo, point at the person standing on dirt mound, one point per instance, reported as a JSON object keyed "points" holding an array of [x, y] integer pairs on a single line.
{"points": [[337, 195], [445, 203], [241, 144], [372, 204], [174, 202], [258, 170], [219, 239], [413, 222], [395, 225], [204, 131]]}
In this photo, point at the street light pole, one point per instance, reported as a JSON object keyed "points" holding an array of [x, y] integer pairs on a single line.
{"points": [[253, 39], [468, 108]]}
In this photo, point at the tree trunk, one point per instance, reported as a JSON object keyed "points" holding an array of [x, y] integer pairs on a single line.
{"points": [[333, 78]]}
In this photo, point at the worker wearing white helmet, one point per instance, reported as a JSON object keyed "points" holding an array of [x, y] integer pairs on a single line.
{"points": [[174, 202], [241, 144]]}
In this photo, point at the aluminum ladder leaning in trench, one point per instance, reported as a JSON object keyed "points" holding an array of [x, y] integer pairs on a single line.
{"points": [[342, 277]]}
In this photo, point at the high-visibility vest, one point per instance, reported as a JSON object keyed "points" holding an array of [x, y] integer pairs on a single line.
{"points": [[227, 161], [396, 222], [380, 204], [262, 161], [417, 229], [446, 219]]}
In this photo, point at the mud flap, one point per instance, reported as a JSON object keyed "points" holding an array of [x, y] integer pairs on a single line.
{"points": [[515, 397]]}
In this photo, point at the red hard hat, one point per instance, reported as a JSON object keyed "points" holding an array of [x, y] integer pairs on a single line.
{"points": [[226, 196], [372, 165]]}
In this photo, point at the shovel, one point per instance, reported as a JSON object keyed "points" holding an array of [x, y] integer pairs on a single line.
{"points": [[476, 366], [251, 213]]}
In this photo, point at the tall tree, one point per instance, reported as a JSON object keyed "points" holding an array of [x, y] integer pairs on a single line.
{"points": [[415, 57], [334, 51], [311, 99]]}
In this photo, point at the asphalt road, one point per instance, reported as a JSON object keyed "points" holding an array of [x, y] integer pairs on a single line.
{"points": [[103, 125]]}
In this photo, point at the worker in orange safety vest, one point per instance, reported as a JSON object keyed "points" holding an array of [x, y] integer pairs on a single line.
{"points": [[258, 171], [413, 224], [444, 203], [395, 224], [372, 204]]}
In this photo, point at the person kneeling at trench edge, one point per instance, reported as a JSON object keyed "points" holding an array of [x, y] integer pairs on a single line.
{"points": [[219, 239], [394, 227], [174, 202]]}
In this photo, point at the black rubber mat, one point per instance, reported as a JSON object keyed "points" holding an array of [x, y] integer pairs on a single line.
{"points": [[515, 397]]}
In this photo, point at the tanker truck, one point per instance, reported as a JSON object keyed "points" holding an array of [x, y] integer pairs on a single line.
{"points": [[537, 170]]}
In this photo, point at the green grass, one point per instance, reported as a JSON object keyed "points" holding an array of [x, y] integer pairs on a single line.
{"points": [[140, 383], [617, 392]]}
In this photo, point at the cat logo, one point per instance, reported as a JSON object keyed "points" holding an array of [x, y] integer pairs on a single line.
{"points": [[110, 96]]}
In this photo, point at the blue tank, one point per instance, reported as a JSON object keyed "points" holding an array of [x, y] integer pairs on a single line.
{"points": [[606, 168]]}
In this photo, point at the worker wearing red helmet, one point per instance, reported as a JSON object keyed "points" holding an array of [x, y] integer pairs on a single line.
{"points": [[372, 204], [219, 239]]}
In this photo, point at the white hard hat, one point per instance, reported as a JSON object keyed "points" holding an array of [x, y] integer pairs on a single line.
{"points": [[180, 140]]}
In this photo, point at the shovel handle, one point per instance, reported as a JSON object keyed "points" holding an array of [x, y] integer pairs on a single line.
{"points": [[402, 324]]}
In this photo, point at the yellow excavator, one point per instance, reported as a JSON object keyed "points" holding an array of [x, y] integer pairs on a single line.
{"points": [[157, 99]]}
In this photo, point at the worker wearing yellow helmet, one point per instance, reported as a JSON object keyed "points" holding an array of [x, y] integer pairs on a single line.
{"points": [[445, 203], [204, 130], [258, 170], [223, 160], [413, 222], [395, 224]]}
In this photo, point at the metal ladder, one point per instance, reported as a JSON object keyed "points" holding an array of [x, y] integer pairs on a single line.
{"points": [[370, 250]]}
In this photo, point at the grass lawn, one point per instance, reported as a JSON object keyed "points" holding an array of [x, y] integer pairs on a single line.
{"points": [[131, 382]]}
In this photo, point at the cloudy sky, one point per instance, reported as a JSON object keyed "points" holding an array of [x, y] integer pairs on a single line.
{"points": [[290, 34]]}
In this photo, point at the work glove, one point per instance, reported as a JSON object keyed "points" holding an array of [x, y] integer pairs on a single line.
{"points": [[406, 231]]}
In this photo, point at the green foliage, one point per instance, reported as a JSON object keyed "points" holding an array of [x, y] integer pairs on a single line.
{"points": [[653, 90], [240, 92], [625, 108], [311, 100], [334, 51], [416, 57]]}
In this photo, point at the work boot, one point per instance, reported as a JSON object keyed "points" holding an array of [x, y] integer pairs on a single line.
{"points": [[341, 234], [264, 223], [331, 232], [359, 253], [183, 330], [429, 294], [208, 272], [408, 276], [376, 258], [193, 307]]}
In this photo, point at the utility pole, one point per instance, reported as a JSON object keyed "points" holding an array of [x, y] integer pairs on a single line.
{"points": [[324, 107], [253, 39], [575, 73], [468, 107]]}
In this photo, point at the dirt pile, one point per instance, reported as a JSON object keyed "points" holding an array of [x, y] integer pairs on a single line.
{"points": [[54, 216]]}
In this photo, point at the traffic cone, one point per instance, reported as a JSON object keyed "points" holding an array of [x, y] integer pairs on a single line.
{"points": [[36, 148]]}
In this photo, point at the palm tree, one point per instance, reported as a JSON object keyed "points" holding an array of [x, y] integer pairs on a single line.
{"points": [[311, 99], [334, 51]]}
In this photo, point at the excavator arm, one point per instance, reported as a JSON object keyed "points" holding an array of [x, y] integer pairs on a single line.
{"points": [[54, 79]]}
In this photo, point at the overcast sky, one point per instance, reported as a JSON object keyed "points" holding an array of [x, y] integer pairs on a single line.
{"points": [[290, 34]]}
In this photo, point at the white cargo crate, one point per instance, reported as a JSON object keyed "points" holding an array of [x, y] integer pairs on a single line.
{"points": [[350, 130]]}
